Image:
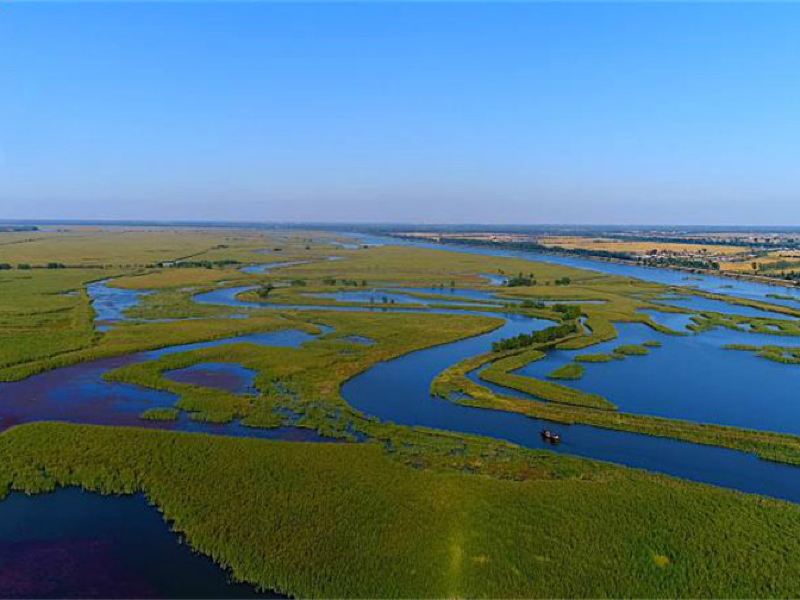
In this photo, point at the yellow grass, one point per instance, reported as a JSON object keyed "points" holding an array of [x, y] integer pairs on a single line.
{"points": [[746, 266], [611, 245]]}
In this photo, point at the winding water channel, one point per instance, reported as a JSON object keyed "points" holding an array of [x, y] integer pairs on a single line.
{"points": [[398, 391], [717, 284], [714, 385]]}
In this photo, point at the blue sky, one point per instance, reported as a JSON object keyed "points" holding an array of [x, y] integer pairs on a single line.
{"points": [[420, 112]]}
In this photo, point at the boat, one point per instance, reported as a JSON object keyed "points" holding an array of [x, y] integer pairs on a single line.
{"points": [[550, 436]]}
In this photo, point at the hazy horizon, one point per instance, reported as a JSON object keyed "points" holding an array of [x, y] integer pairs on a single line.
{"points": [[398, 225], [412, 113]]}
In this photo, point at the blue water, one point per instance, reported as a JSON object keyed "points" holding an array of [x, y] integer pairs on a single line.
{"points": [[675, 321], [690, 377], [229, 297], [369, 297], [110, 303], [74, 544], [398, 391], [454, 293], [491, 297], [80, 394], [495, 279], [230, 377], [381, 297], [701, 304]]}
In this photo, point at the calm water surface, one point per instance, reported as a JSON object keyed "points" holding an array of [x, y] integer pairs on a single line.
{"points": [[80, 394], [398, 391], [230, 377], [691, 377], [701, 304], [110, 303], [73, 544]]}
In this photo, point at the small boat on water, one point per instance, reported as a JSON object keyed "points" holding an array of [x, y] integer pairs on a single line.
{"points": [[550, 436]]}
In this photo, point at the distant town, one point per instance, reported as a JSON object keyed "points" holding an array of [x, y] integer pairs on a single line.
{"points": [[763, 255]]}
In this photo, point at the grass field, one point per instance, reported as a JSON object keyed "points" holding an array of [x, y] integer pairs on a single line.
{"points": [[306, 380], [638, 247], [351, 521]]}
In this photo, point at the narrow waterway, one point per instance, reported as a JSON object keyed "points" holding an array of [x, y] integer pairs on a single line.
{"points": [[399, 391]]}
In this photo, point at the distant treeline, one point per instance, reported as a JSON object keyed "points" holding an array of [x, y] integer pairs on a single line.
{"points": [[676, 261], [788, 276], [708, 241], [50, 265], [203, 264], [199, 264], [533, 246]]}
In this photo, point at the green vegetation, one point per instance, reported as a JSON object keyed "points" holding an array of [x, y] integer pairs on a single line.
{"points": [[543, 336], [453, 515], [594, 358], [631, 350], [758, 304], [176, 304], [788, 355], [161, 414], [304, 380], [501, 372], [568, 371], [454, 384], [781, 297], [446, 532], [708, 320], [134, 337], [44, 313], [521, 280]]}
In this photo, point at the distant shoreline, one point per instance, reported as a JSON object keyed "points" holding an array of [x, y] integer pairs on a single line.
{"points": [[782, 283]]}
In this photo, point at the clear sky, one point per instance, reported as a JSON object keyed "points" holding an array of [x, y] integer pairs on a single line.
{"points": [[451, 112]]}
